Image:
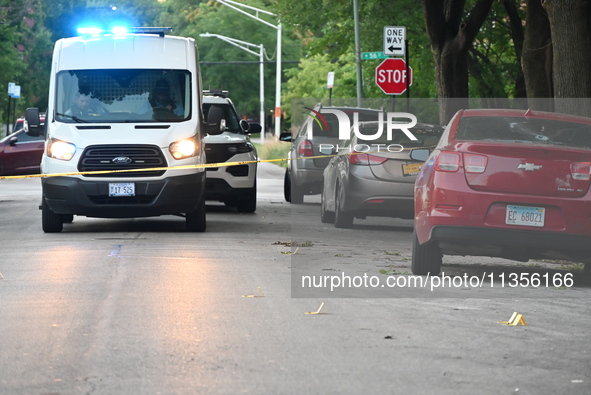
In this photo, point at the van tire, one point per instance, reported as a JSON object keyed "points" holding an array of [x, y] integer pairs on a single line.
{"points": [[50, 221], [196, 220]]}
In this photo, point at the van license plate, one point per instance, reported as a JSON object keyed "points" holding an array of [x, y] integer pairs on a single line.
{"points": [[524, 215], [122, 189]]}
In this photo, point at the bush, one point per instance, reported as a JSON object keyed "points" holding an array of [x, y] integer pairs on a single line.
{"points": [[274, 150]]}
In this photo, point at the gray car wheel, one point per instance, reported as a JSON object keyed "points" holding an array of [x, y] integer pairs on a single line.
{"points": [[326, 217], [291, 192], [342, 218]]}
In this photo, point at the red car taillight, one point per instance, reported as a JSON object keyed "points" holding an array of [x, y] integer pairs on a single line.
{"points": [[365, 159], [580, 170], [305, 148], [448, 161], [475, 163]]}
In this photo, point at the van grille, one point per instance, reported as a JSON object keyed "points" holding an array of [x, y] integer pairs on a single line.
{"points": [[100, 158]]}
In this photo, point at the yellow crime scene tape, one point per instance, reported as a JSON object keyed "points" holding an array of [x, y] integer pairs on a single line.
{"points": [[206, 165]]}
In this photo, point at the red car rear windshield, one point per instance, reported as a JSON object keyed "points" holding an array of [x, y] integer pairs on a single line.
{"points": [[525, 130]]}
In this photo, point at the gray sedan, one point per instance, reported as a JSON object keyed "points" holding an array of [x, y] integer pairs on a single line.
{"points": [[373, 177]]}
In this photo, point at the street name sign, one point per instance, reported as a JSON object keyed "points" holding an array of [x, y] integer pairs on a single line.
{"points": [[373, 55]]}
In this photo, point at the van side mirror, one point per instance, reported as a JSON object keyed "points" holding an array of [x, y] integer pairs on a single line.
{"points": [[420, 154], [216, 124], [33, 126]]}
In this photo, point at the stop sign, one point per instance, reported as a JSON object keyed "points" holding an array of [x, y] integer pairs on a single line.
{"points": [[391, 76]]}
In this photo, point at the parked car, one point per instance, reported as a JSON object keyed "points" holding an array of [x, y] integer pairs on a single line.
{"points": [[505, 183], [373, 177], [234, 185], [21, 153], [19, 124], [303, 175]]}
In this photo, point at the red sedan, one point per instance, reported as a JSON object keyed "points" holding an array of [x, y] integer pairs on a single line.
{"points": [[505, 183], [21, 153]]}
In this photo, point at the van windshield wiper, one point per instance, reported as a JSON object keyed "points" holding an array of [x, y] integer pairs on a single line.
{"points": [[75, 118]]}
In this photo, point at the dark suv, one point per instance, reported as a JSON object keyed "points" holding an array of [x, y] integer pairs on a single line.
{"points": [[303, 175]]}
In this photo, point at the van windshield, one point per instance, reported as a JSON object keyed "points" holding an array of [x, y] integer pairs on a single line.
{"points": [[123, 95]]}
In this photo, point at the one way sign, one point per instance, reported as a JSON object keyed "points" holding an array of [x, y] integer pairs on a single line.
{"points": [[394, 37]]}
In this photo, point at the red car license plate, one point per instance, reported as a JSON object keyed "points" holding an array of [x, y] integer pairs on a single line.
{"points": [[525, 215]]}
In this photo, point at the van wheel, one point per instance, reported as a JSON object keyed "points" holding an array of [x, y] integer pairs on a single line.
{"points": [[342, 219], [50, 221], [196, 221], [250, 204], [67, 218], [426, 258]]}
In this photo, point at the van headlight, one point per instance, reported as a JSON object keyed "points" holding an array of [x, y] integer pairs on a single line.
{"points": [[59, 149], [184, 148]]}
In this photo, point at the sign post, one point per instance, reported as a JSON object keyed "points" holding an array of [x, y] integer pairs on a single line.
{"points": [[14, 92], [10, 88], [329, 85]]}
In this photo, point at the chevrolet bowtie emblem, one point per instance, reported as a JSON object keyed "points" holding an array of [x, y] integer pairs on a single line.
{"points": [[529, 167]]}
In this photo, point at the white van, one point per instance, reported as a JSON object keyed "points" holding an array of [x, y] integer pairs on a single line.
{"points": [[121, 102]]}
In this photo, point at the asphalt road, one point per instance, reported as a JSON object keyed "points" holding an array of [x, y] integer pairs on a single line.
{"points": [[140, 306]]}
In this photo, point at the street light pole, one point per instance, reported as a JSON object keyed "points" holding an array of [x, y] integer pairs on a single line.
{"points": [[235, 6], [244, 46]]}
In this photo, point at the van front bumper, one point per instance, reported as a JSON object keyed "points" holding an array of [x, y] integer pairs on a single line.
{"points": [[172, 195]]}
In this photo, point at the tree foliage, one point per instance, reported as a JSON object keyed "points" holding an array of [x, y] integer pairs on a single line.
{"points": [[228, 67], [458, 49]]}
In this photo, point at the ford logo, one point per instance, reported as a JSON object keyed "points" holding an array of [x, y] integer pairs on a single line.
{"points": [[122, 160]]}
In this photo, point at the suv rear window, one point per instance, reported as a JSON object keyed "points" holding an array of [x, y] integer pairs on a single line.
{"points": [[232, 120], [319, 129]]}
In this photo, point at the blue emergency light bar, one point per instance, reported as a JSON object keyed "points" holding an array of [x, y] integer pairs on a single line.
{"points": [[120, 30]]}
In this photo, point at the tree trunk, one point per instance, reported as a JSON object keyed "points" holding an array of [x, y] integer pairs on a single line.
{"points": [[570, 24], [516, 25], [450, 39], [536, 57]]}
